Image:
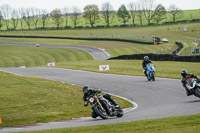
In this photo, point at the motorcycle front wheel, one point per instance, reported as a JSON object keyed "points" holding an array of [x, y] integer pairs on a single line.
{"points": [[101, 112], [153, 76]]}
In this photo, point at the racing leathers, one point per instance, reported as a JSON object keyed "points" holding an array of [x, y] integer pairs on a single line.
{"points": [[187, 79], [144, 64]]}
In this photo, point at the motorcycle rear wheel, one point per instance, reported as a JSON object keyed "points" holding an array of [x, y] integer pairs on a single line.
{"points": [[120, 113]]}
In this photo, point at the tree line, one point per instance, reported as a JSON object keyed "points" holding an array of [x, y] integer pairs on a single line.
{"points": [[143, 9]]}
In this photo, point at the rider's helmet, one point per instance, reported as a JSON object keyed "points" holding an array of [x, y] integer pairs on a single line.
{"points": [[146, 58], [183, 72], [85, 88]]}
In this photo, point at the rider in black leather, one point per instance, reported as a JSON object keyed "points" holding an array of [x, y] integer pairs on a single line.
{"points": [[90, 91], [144, 63], [186, 80]]}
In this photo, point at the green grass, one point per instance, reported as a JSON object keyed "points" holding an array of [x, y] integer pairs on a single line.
{"points": [[130, 33], [112, 47], [164, 69], [29, 100], [175, 33], [15, 56], [179, 124]]}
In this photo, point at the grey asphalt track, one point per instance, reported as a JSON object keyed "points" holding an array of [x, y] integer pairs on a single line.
{"points": [[162, 98], [97, 54]]}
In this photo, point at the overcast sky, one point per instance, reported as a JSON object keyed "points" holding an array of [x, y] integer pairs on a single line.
{"points": [[52, 4]]}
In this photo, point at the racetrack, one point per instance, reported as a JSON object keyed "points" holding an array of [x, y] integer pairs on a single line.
{"points": [[162, 98]]}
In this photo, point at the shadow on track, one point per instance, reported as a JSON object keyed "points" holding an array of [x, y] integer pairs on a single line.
{"points": [[194, 101]]}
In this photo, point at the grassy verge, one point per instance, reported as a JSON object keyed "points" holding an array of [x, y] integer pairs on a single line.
{"points": [[180, 124], [29, 100], [164, 69], [15, 56]]}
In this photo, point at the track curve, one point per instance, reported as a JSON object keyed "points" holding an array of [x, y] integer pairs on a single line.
{"points": [[162, 98], [97, 54]]}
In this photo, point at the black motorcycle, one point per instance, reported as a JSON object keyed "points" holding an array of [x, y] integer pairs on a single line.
{"points": [[103, 108], [194, 87]]}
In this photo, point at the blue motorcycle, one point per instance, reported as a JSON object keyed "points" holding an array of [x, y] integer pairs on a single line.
{"points": [[150, 72]]}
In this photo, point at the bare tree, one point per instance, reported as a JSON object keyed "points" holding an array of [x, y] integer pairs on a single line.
{"points": [[15, 18], [6, 11], [91, 13], [26, 13], [199, 13], [21, 16], [108, 13], [65, 12], [1, 20], [133, 11], [160, 13], [44, 18], [140, 12], [175, 12], [35, 15], [75, 16], [57, 17], [148, 9]]}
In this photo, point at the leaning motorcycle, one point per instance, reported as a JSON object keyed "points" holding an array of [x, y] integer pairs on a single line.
{"points": [[103, 108], [194, 87], [150, 72]]}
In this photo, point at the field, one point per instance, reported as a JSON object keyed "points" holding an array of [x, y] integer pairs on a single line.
{"points": [[172, 33]]}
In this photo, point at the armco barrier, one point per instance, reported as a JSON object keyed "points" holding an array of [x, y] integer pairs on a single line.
{"points": [[180, 46], [158, 57]]}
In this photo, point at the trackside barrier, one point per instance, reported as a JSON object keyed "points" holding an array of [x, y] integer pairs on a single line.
{"points": [[158, 57]]}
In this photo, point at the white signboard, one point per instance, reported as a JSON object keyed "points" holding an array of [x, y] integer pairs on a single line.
{"points": [[51, 64], [22, 67], [104, 67], [185, 28]]}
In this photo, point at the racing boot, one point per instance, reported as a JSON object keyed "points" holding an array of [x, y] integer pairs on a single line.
{"points": [[188, 93], [94, 115], [117, 106]]}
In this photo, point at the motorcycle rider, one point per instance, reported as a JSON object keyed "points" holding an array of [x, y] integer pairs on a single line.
{"points": [[90, 91], [144, 64], [186, 80]]}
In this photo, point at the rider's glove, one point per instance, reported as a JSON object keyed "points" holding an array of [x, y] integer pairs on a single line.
{"points": [[85, 103]]}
